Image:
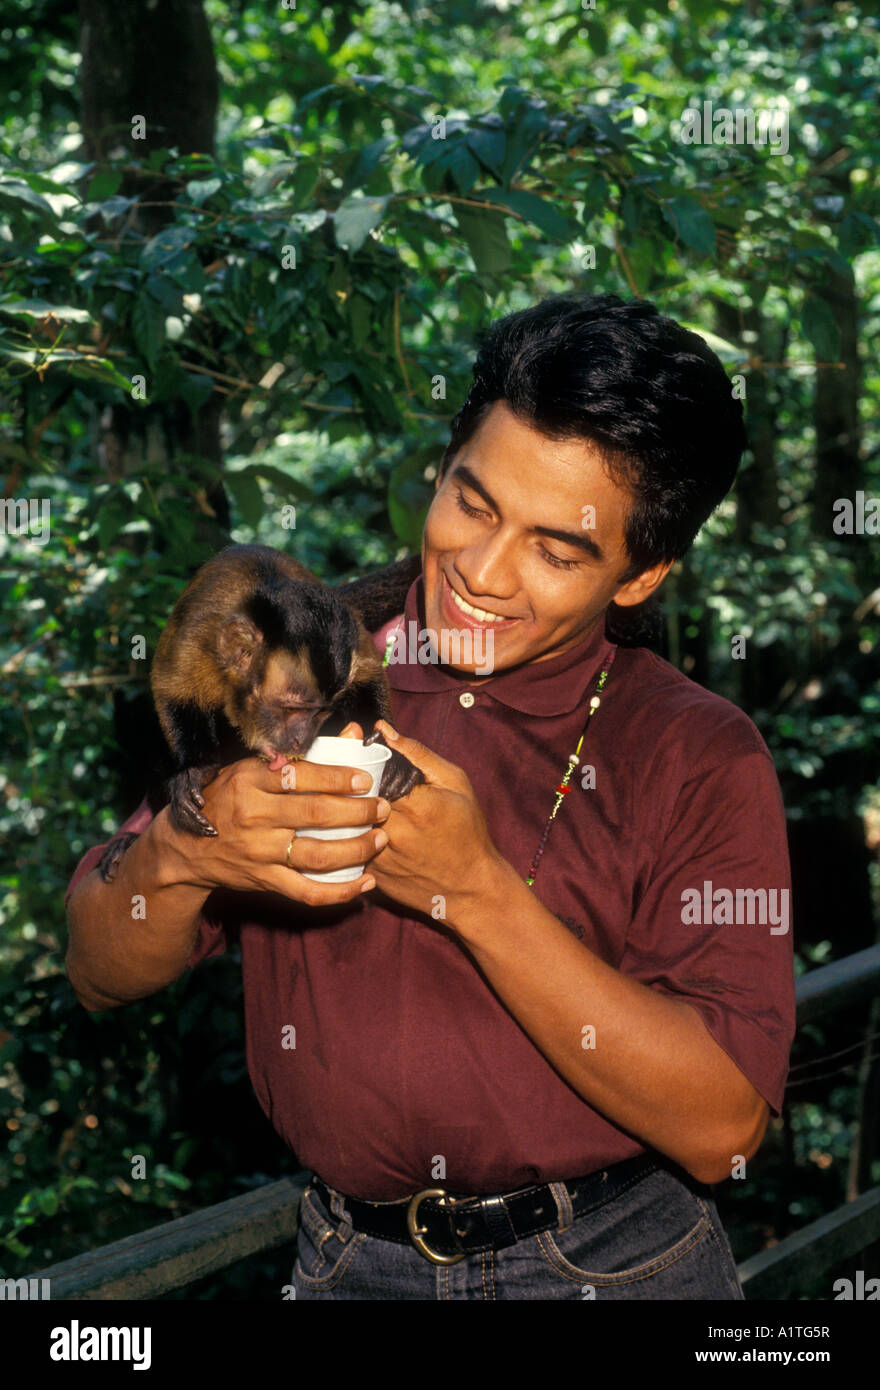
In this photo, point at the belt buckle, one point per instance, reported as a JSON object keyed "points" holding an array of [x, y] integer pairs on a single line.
{"points": [[417, 1233]]}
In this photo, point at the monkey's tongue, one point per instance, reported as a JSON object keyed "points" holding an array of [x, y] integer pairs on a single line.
{"points": [[279, 760]]}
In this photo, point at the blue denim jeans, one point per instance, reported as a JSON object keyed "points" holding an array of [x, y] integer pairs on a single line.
{"points": [[659, 1238]]}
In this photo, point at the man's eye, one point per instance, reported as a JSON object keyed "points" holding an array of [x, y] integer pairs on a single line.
{"points": [[465, 506], [550, 558], [554, 560]]}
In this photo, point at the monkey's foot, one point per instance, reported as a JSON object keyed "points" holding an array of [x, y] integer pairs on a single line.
{"points": [[108, 866], [186, 801], [399, 775]]}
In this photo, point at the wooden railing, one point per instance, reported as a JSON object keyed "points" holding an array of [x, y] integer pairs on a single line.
{"points": [[177, 1253]]}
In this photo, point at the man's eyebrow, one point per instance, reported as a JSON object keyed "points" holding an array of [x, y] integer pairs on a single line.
{"points": [[580, 539]]}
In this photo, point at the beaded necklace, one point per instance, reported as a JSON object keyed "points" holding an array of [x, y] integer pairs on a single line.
{"points": [[563, 788]]}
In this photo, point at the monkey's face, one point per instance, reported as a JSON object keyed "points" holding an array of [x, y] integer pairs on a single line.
{"points": [[287, 659], [282, 708]]}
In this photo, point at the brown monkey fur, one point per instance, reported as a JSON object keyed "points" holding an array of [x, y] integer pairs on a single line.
{"points": [[257, 657]]}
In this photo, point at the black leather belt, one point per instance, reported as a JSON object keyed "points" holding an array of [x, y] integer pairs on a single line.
{"points": [[445, 1228]]}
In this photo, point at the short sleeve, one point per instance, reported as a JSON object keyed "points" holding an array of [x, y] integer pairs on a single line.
{"points": [[210, 936], [713, 926]]}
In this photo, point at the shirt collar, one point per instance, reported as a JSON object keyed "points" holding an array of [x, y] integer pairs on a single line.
{"points": [[555, 686]]}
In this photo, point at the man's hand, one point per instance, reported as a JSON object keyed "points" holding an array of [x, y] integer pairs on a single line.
{"points": [[439, 842], [257, 809]]}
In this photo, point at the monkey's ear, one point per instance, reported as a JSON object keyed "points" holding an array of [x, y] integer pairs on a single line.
{"points": [[237, 642]]}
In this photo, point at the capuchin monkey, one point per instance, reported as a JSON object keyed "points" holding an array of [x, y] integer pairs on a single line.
{"points": [[257, 657]]}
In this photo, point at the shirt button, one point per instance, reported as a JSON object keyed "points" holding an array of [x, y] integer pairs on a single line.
{"points": [[466, 700]]}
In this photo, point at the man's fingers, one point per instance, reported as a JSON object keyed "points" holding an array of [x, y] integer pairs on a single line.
{"points": [[352, 731], [436, 769], [306, 777], [314, 856], [296, 886]]}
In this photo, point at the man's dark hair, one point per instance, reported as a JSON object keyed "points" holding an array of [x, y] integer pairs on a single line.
{"points": [[651, 395]]}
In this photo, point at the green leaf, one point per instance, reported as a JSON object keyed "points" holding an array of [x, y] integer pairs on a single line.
{"points": [[287, 486], [819, 326], [111, 520], [99, 369], [247, 494], [410, 495], [173, 1179], [857, 232], [486, 237], [512, 99], [164, 249], [116, 205], [595, 196], [339, 91], [360, 312], [41, 309], [73, 173], [157, 159], [199, 190], [721, 346], [195, 389], [542, 214], [166, 293], [339, 286], [148, 323], [355, 218], [305, 181], [643, 255], [460, 163], [632, 208], [271, 178], [18, 190], [16, 353], [488, 146], [691, 223], [366, 162], [103, 185], [48, 1200], [524, 139], [596, 37]]}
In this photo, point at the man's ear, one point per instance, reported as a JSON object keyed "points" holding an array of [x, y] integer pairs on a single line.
{"points": [[643, 586]]}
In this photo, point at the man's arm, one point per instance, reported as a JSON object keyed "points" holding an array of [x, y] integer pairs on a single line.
{"points": [[115, 955], [694, 1021], [655, 1069], [112, 957]]}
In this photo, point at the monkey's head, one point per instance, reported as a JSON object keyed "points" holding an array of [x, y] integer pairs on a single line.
{"points": [[288, 657]]}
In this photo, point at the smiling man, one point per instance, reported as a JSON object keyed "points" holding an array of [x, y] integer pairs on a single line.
{"points": [[521, 1062]]}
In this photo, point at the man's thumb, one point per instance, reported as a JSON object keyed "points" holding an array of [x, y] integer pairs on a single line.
{"points": [[424, 758]]}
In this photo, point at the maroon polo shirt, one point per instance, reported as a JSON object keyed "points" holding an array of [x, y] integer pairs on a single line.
{"points": [[403, 1052]]}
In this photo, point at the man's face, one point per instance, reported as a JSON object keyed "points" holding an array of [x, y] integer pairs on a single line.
{"points": [[548, 591]]}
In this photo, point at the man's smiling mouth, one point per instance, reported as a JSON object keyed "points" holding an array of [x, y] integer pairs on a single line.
{"points": [[480, 615]]}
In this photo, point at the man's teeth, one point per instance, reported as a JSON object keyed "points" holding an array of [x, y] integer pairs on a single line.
{"points": [[479, 613]]}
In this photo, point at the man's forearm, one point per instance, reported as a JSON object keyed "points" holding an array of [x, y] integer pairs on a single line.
{"points": [[114, 957], [650, 1065]]}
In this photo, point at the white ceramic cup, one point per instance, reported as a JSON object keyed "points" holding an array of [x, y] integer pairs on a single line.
{"points": [[344, 752]]}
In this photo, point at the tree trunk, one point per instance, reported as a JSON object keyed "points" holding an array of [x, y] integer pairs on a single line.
{"points": [[152, 59], [765, 670], [839, 470]]}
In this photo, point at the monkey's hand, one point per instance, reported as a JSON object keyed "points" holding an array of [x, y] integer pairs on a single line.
{"points": [[109, 863], [186, 801], [399, 775]]}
